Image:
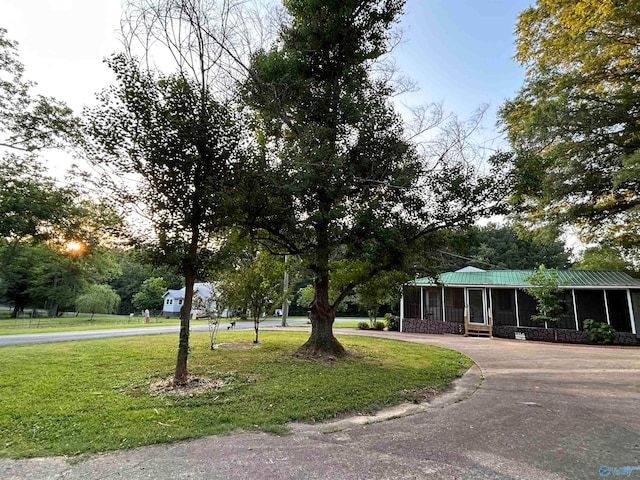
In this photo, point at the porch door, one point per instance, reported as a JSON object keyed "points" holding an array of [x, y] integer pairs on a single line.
{"points": [[476, 302]]}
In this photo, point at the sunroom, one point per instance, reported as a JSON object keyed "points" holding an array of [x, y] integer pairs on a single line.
{"points": [[494, 303]]}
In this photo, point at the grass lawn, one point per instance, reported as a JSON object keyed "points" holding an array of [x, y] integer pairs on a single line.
{"points": [[69, 324], [76, 397]]}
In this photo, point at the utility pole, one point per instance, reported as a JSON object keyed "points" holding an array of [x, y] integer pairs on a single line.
{"points": [[285, 303]]}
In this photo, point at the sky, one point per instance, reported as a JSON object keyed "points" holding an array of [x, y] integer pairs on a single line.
{"points": [[459, 51]]}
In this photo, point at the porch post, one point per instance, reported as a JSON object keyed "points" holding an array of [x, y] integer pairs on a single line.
{"points": [[421, 303], [444, 311], [575, 307], [632, 316], [606, 306], [515, 294]]}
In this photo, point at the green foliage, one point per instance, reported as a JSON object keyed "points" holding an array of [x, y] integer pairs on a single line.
{"points": [[605, 257], [545, 290], [305, 296], [134, 267], [39, 275], [383, 289], [508, 248], [364, 326], [150, 294], [599, 332], [255, 285], [378, 325], [182, 143], [28, 122], [63, 401], [392, 322], [30, 202], [573, 126], [98, 299], [307, 293]]}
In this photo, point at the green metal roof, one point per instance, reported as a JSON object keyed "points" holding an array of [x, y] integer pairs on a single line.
{"points": [[516, 278]]}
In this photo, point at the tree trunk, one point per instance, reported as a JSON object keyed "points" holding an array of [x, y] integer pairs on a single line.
{"points": [[181, 373], [16, 309], [53, 310], [256, 327], [322, 316]]}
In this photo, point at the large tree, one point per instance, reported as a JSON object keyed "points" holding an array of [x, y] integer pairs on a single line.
{"points": [[339, 184], [505, 246], [181, 147], [574, 124], [98, 299], [50, 237]]}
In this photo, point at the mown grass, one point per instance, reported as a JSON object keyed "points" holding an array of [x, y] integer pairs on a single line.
{"points": [[77, 397], [72, 324]]}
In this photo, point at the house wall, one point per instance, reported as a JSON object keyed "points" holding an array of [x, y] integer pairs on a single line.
{"points": [[171, 305]]}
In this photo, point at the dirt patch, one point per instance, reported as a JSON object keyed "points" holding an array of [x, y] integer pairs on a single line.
{"points": [[421, 395], [194, 386], [321, 357]]}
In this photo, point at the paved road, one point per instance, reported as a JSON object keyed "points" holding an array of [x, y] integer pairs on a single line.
{"points": [[26, 338], [542, 411]]}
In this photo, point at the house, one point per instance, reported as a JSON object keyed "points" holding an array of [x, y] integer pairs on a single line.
{"points": [[494, 302], [203, 301]]}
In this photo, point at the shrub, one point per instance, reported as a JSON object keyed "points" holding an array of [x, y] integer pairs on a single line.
{"points": [[599, 332], [378, 326], [392, 322], [364, 326]]}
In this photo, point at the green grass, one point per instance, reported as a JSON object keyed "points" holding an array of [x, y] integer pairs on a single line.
{"points": [[72, 324], [77, 397]]}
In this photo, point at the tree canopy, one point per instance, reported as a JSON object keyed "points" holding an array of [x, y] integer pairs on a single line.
{"points": [[495, 246], [98, 299], [28, 122], [573, 125]]}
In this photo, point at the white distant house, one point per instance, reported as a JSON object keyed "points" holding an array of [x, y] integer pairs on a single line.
{"points": [[203, 301]]}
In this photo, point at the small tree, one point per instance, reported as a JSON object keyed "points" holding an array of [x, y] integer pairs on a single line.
{"points": [[255, 285], [98, 299], [380, 290], [545, 289], [150, 294]]}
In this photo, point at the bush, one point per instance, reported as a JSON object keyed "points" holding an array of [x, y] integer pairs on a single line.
{"points": [[378, 325], [364, 326], [599, 332], [392, 322]]}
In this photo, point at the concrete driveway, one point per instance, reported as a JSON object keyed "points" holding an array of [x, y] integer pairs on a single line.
{"points": [[542, 411]]}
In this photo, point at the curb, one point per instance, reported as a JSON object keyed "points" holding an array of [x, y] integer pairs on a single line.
{"points": [[459, 390]]}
